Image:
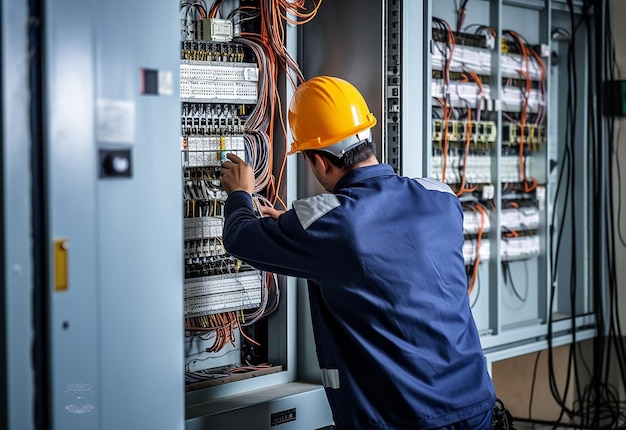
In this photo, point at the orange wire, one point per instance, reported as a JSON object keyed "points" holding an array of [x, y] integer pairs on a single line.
{"points": [[446, 113], [512, 233], [476, 78], [295, 8], [483, 215], [283, 163], [244, 334], [271, 37]]}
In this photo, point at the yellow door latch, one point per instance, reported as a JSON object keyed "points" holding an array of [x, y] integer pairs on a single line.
{"points": [[61, 259]]}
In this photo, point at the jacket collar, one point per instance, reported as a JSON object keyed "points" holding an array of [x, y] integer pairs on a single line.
{"points": [[362, 173]]}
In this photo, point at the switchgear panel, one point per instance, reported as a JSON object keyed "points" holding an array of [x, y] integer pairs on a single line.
{"points": [[223, 110]]}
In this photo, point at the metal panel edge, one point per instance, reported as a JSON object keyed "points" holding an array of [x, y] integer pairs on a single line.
{"points": [[17, 259], [415, 137]]}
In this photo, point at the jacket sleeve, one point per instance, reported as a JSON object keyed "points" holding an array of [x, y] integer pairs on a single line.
{"points": [[274, 245]]}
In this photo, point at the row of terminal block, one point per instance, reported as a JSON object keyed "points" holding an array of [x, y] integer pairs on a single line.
{"points": [[212, 119], [228, 292], [478, 169], [211, 266], [203, 227], [236, 83], [483, 134], [198, 50], [203, 248], [511, 249], [211, 150], [534, 135], [522, 218]]}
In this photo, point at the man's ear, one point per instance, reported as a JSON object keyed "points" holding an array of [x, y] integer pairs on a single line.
{"points": [[322, 162]]}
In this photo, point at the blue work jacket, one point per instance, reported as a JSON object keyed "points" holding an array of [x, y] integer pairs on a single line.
{"points": [[394, 333]]}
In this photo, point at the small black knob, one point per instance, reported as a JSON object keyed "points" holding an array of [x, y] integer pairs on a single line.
{"points": [[115, 163]]}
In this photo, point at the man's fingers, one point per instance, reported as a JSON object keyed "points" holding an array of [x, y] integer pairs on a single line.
{"points": [[271, 212], [235, 159]]}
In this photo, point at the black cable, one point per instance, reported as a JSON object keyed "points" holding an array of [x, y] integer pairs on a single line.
{"points": [[532, 386], [567, 172], [597, 404], [594, 415], [615, 333], [611, 222], [460, 14], [506, 269], [440, 24], [573, 111], [600, 406], [554, 424], [469, 276], [568, 151]]}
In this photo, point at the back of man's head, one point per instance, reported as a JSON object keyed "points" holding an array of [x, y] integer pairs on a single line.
{"points": [[349, 159]]}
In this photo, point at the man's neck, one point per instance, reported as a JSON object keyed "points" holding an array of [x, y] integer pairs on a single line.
{"points": [[369, 162]]}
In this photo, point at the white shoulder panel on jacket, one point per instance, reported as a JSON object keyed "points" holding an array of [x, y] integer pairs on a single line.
{"points": [[434, 185], [311, 209]]}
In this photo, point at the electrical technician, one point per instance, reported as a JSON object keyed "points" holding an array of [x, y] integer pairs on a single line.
{"points": [[395, 338]]}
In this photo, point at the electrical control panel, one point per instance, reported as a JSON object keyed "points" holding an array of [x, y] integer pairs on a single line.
{"points": [[236, 76], [493, 86], [488, 132], [222, 111]]}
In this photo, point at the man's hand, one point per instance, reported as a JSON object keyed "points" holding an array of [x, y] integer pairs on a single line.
{"points": [[237, 175], [269, 211]]}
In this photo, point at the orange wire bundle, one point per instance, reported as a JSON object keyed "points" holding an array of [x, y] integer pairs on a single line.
{"points": [[525, 72], [223, 325], [446, 109], [273, 14]]}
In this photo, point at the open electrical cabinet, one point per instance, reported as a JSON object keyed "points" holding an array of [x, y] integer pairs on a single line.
{"points": [[236, 74], [495, 121]]}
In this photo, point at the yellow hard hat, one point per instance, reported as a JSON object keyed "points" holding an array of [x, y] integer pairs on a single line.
{"points": [[330, 114]]}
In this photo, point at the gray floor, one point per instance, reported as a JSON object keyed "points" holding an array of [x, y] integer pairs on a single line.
{"points": [[527, 426]]}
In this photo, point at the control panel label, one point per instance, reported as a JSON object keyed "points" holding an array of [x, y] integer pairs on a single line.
{"points": [[283, 417]]}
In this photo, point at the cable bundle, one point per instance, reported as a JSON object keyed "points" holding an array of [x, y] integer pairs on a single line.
{"points": [[261, 29], [597, 404]]}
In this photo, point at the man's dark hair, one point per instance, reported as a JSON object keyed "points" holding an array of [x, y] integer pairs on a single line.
{"points": [[354, 156]]}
